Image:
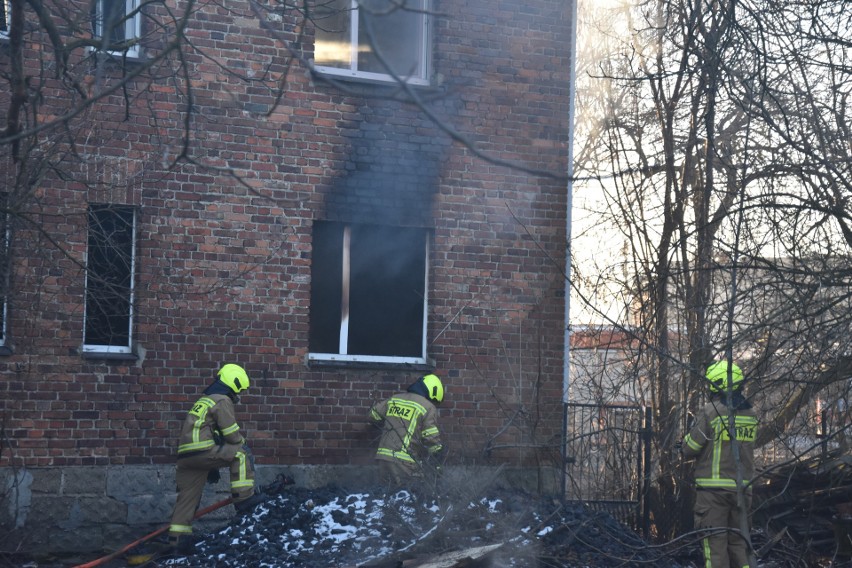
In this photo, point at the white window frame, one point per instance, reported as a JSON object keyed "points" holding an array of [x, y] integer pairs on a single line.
{"points": [[342, 354], [5, 274], [132, 27], [353, 72], [7, 19], [99, 348]]}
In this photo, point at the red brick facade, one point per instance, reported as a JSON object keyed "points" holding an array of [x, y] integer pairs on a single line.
{"points": [[223, 267]]}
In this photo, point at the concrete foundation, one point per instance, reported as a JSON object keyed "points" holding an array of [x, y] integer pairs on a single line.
{"points": [[62, 511]]}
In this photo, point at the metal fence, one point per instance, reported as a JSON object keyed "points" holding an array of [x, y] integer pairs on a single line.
{"points": [[607, 460]]}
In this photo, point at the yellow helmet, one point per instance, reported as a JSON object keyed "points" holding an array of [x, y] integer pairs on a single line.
{"points": [[434, 387], [717, 375], [235, 377]]}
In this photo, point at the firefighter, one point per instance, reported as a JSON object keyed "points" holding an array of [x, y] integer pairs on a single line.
{"points": [[716, 467], [410, 442], [210, 439]]}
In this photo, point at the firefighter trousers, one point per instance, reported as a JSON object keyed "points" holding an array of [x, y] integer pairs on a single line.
{"points": [[718, 509], [191, 476]]}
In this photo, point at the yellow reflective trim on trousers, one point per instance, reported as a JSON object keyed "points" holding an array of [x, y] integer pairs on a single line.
{"points": [[180, 529], [241, 480], [195, 446], [396, 454], [705, 548]]}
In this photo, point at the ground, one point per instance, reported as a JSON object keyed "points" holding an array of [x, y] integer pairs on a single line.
{"points": [[330, 527]]}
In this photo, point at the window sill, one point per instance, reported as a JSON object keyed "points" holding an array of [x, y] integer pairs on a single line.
{"points": [[106, 356], [118, 57], [326, 361], [375, 80]]}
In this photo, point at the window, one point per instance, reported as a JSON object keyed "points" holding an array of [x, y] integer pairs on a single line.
{"points": [[5, 17], [373, 39], [117, 23], [368, 293], [5, 270], [109, 280]]}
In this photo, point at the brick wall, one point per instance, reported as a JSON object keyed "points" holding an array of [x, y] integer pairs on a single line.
{"points": [[223, 268]]}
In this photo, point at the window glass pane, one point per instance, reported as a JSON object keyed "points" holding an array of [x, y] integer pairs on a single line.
{"points": [[333, 45], [326, 292], [395, 32], [109, 276], [114, 12], [387, 291]]}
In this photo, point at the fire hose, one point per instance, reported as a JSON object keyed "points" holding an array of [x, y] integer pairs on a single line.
{"points": [[159, 531], [275, 487]]}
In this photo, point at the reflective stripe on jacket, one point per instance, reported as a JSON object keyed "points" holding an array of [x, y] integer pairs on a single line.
{"points": [[710, 441], [210, 413], [409, 428]]}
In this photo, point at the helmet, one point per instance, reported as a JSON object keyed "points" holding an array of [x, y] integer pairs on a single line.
{"points": [[434, 387], [718, 373], [235, 377]]}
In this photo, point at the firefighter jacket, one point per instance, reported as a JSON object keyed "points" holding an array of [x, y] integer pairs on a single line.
{"points": [[211, 418], [409, 428], [709, 441]]}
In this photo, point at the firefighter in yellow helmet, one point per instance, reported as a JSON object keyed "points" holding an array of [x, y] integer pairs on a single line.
{"points": [[210, 439], [711, 442], [409, 433]]}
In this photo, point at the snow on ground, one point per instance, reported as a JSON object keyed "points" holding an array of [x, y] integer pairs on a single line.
{"points": [[331, 527]]}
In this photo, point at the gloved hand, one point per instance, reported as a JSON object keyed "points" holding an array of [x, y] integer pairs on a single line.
{"points": [[218, 438], [440, 456], [213, 476], [678, 447]]}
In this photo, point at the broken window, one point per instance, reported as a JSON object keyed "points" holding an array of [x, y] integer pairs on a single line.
{"points": [[368, 293], [117, 23], [109, 280], [373, 39]]}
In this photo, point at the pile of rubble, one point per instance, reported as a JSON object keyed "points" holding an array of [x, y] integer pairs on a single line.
{"points": [[333, 527], [805, 508]]}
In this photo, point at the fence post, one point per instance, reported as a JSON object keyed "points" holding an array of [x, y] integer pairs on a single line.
{"points": [[564, 464], [646, 485]]}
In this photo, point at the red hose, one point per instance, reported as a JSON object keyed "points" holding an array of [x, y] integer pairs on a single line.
{"points": [[157, 532]]}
